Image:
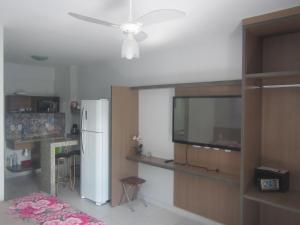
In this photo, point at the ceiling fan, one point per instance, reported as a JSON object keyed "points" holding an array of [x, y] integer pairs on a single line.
{"points": [[133, 28]]}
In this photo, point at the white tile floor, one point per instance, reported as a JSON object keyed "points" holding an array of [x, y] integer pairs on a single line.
{"points": [[121, 215], [21, 186]]}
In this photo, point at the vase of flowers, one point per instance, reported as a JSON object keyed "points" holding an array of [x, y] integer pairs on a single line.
{"points": [[138, 146]]}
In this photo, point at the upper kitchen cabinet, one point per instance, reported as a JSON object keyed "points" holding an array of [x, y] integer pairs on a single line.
{"points": [[46, 104], [18, 103], [34, 104]]}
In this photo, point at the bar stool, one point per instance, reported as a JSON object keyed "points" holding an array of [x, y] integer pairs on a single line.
{"points": [[128, 184], [61, 174], [73, 155], [62, 161]]}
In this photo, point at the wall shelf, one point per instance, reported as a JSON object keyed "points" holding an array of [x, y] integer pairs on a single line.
{"points": [[273, 74], [289, 201], [18, 169], [190, 170]]}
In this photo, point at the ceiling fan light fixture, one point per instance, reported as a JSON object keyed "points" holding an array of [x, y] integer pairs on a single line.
{"points": [[130, 47], [133, 28], [39, 57]]}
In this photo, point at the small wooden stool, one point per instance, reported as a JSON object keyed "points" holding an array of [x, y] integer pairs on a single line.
{"points": [[129, 183]]}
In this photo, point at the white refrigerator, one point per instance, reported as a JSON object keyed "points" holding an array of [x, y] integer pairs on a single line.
{"points": [[94, 175]]}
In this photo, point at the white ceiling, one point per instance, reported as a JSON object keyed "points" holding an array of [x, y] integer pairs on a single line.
{"points": [[42, 27]]}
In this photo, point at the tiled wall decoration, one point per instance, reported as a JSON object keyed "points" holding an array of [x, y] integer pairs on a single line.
{"points": [[34, 125]]}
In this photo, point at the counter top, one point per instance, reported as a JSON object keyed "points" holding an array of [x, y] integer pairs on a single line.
{"points": [[39, 139], [47, 159], [190, 170]]}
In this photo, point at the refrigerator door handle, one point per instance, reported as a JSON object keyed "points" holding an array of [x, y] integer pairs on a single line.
{"points": [[81, 118], [82, 149], [81, 141]]}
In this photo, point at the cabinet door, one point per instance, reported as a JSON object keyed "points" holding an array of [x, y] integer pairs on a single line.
{"points": [[94, 115], [17, 103], [91, 166], [46, 104]]}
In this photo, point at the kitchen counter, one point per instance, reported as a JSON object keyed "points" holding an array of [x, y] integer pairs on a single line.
{"points": [[48, 161], [28, 143], [38, 139]]}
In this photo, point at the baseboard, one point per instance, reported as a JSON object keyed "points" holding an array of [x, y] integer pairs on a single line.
{"points": [[181, 212]]}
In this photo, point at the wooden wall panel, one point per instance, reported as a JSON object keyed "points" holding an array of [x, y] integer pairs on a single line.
{"points": [[281, 129], [274, 216], [226, 162], [179, 153], [281, 52], [209, 198], [251, 137], [273, 16], [284, 21], [124, 127], [253, 47], [210, 90], [250, 212]]}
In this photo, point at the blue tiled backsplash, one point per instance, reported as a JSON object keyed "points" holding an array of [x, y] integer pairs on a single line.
{"points": [[31, 125]]}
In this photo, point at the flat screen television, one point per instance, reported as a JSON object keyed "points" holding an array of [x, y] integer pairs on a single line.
{"points": [[208, 121]]}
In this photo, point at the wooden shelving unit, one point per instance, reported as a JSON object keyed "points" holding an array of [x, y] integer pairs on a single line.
{"points": [[273, 74], [288, 201], [271, 123], [28, 104]]}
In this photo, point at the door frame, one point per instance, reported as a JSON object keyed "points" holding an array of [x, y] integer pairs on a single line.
{"points": [[2, 147]]}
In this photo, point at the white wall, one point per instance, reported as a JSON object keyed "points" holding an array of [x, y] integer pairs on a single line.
{"points": [[1, 118], [74, 96], [34, 80], [74, 82], [155, 121], [66, 87], [62, 89], [155, 128]]}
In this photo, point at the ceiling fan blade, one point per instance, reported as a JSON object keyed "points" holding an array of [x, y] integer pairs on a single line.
{"points": [[93, 20], [159, 16], [141, 36]]}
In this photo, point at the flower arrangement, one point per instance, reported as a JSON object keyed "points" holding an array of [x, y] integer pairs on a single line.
{"points": [[138, 147], [75, 106]]}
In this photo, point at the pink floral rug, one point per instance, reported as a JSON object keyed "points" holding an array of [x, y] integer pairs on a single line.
{"points": [[44, 209]]}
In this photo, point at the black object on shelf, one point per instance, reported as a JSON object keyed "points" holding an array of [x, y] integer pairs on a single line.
{"points": [[169, 160], [74, 129], [271, 180]]}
